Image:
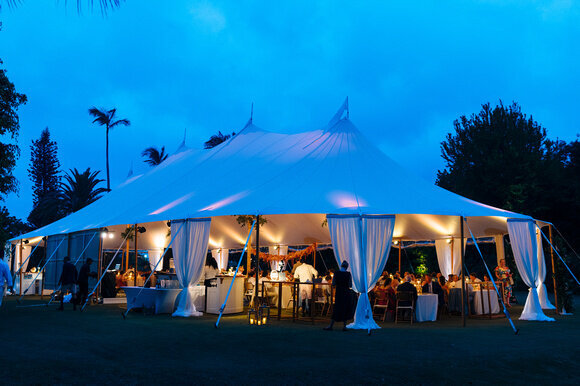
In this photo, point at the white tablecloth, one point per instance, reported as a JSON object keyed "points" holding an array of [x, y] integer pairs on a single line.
{"points": [[426, 308], [480, 308], [161, 299]]}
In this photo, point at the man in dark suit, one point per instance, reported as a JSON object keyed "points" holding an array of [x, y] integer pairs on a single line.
{"points": [[407, 286], [432, 287]]}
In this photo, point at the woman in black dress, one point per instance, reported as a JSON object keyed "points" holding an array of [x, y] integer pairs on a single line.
{"points": [[342, 310]]}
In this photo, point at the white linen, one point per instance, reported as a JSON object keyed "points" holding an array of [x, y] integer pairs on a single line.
{"points": [[189, 254], [426, 308], [542, 291], [444, 249], [154, 257], [364, 242], [525, 248], [481, 307]]}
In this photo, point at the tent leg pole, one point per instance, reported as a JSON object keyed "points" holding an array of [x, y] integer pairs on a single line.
{"points": [[20, 269], [553, 269], [136, 255], [256, 292], [400, 246], [463, 319]]}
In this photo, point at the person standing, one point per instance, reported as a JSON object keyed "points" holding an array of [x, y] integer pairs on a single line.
{"points": [[503, 274], [83, 281], [68, 280], [342, 309], [305, 273], [5, 278]]}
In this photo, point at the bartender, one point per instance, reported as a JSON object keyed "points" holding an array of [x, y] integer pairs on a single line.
{"points": [[210, 271]]}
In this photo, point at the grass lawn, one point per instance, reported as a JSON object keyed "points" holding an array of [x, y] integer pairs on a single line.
{"points": [[41, 345]]}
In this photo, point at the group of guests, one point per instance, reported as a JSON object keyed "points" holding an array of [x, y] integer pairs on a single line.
{"points": [[70, 278]]}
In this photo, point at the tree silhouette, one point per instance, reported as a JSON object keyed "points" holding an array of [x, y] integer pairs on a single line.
{"points": [[107, 118], [216, 139], [154, 156], [80, 189]]}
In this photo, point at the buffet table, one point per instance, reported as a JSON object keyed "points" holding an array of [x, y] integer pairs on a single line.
{"points": [[426, 308], [162, 300]]}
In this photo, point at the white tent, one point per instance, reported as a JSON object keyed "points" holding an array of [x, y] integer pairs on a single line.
{"points": [[293, 180]]}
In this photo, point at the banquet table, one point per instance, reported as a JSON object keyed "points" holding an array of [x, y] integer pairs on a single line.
{"points": [[162, 300], [426, 308], [481, 302]]}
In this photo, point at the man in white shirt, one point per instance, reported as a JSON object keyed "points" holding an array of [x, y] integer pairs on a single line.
{"points": [[305, 273], [5, 278]]}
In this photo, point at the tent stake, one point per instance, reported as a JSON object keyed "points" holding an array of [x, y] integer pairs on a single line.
{"points": [[553, 269]]}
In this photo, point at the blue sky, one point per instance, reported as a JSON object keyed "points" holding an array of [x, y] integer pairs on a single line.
{"points": [[409, 69]]}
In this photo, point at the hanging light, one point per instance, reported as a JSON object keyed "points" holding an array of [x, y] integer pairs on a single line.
{"points": [[104, 233]]}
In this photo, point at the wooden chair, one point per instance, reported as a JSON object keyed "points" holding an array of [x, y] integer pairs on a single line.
{"points": [[320, 301], [405, 301], [382, 308]]}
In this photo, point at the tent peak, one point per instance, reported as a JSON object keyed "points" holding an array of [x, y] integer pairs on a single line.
{"points": [[339, 114]]}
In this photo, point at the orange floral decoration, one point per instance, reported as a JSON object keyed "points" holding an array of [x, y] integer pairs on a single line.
{"points": [[291, 256]]}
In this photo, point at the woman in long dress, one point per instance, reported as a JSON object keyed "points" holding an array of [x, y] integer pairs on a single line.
{"points": [[503, 274], [342, 310]]}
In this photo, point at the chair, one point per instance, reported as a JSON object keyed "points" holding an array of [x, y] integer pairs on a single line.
{"points": [[381, 297], [320, 300], [249, 291], [405, 301]]}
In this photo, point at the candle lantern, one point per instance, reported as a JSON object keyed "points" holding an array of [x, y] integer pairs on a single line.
{"points": [[252, 316], [264, 314]]}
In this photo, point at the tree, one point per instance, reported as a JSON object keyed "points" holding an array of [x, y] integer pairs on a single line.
{"points": [[216, 139], [494, 157], [104, 5], [153, 156], [107, 118], [80, 189], [45, 176], [10, 101], [503, 158], [10, 226]]}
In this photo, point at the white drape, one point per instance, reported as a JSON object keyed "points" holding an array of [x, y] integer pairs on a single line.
{"points": [[542, 292], [221, 256], [154, 257], [189, 254], [525, 248], [444, 248], [364, 242]]}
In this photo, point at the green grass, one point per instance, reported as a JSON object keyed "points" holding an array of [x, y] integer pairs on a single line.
{"points": [[41, 345]]}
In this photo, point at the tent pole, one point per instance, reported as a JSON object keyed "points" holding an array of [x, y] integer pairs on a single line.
{"points": [[44, 273], [400, 246], [135, 249], [452, 248], [462, 275], [313, 256], [20, 268], [100, 259], [553, 268], [256, 294]]}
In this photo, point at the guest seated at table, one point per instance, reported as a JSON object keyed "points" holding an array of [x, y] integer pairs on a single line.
{"points": [[442, 282], [380, 292], [432, 287], [397, 276], [408, 286], [455, 282], [486, 278], [473, 278], [392, 295]]}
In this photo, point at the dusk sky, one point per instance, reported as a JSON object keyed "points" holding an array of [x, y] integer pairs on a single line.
{"points": [[409, 69]]}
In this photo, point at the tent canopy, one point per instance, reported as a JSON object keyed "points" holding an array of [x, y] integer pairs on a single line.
{"points": [[291, 179]]}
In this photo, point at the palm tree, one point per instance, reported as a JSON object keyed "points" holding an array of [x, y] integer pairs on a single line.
{"points": [[216, 139], [153, 156], [80, 189], [105, 5], [107, 118]]}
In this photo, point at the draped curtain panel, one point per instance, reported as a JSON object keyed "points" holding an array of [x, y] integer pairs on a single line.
{"points": [[364, 242], [542, 292], [221, 256], [443, 248], [189, 254], [525, 248]]}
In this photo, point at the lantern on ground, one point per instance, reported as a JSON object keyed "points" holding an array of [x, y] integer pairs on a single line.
{"points": [[264, 314], [252, 316]]}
